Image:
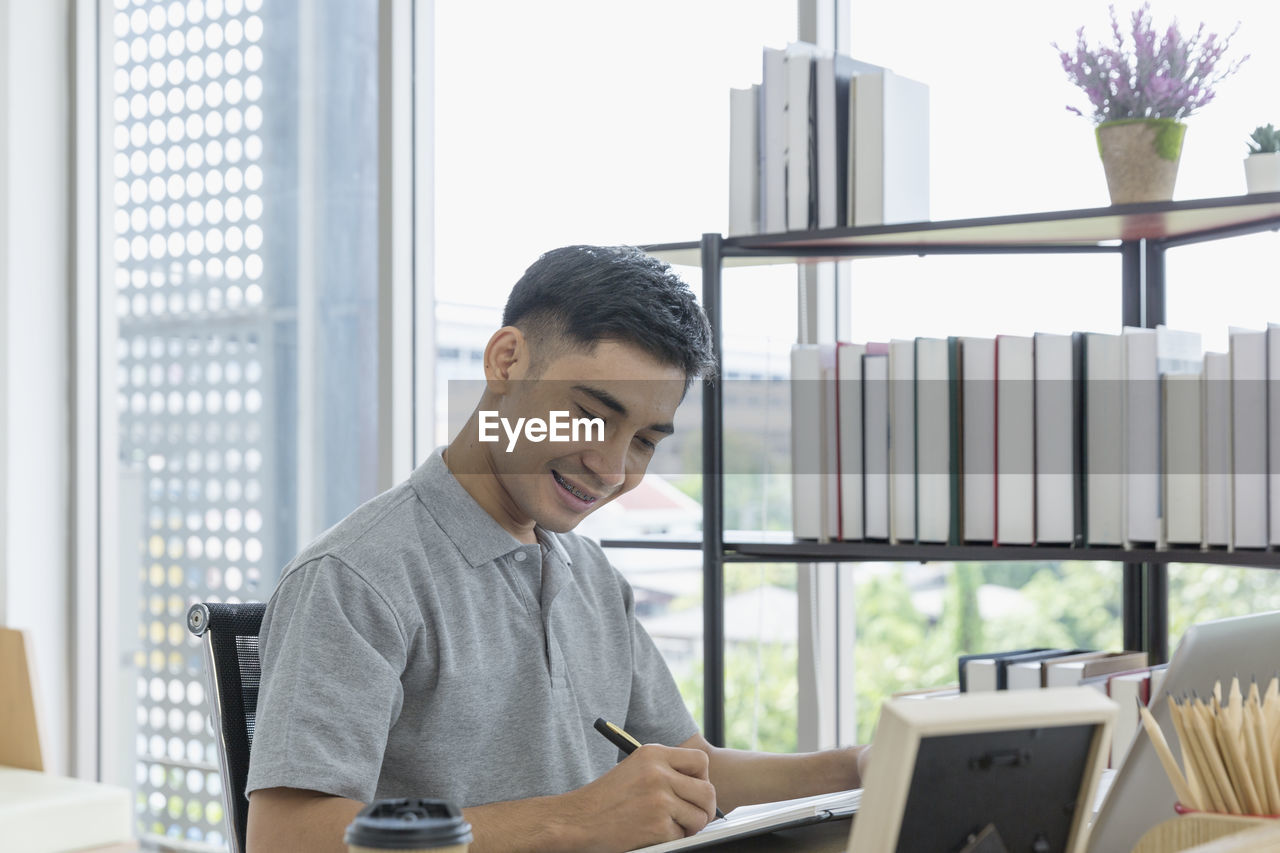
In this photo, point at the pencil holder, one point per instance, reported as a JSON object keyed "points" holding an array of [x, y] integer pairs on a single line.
{"points": [[1191, 828]]}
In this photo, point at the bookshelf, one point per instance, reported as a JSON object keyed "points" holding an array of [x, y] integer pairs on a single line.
{"points": [[1139, 233]]}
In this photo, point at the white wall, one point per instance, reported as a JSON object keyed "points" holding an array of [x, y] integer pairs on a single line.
{"points": [[4, 308], [35, 312]]}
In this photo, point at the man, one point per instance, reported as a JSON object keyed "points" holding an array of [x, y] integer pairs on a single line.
{"points": [[451, 638]]}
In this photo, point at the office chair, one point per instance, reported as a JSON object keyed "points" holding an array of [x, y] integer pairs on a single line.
{"points": [[230, 633]]}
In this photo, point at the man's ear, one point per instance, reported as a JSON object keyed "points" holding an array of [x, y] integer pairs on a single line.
{"points": [[506, 359]]}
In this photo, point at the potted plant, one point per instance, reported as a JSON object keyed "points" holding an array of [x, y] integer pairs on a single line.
{"points": [[1262, 166], [1140, 89]]}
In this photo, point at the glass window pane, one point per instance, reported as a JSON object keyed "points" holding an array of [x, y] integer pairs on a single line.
{"points": [[1199, 593], [913, 619], [613, 130], [241, 353]]}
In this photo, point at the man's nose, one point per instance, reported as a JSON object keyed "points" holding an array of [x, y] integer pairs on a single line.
{"points": [[608, 462]]}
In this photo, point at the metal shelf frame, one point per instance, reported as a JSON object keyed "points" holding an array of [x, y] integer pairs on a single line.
{"points": [[1139, 233]]}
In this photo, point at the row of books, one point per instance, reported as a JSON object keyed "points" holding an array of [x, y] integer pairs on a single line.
{"points": [[1125, 676], [1136, 439], [826, 141]]}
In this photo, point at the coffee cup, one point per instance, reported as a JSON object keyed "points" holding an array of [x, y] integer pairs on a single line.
{"points": [[409, 826]]}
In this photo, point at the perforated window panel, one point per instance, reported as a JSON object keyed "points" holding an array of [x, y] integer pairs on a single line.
{"points": [[195, 366]]}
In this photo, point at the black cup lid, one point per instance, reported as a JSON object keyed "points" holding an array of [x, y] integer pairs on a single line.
{"points": [[404, 824]]}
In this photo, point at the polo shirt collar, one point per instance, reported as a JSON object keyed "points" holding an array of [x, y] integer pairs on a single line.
{"points": [[478, 537]]}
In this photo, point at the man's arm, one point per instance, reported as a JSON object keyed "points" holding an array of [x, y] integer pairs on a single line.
{"points": [[742, 778], [656, 794], [290, 820]]}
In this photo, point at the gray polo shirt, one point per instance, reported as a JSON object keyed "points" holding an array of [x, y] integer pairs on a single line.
{"points": [[417, 649]]}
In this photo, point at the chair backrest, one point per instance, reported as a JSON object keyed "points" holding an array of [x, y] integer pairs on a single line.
{"points": [[230, 635]]}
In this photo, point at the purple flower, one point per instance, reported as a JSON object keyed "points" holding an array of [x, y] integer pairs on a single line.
{"points": [[1149, 75]]}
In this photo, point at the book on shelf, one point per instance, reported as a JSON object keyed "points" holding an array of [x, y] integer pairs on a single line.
{"points": [[875, 431], [824, 192], [1027, 671], [1132, 439], [1141, 431], [815, 510], [1149, 353], [849, 428], [744, 161], [1248, 351], [1178, 353], [830, 470], [978, 417], [934, 416], [1103, 445], [1069, 671], [800, 157], [997, 671], [955, 437], [1182, 458], [835, 138], [1055, 439], [889, 138], [902, 441], [844, 69], [1218, 494], [1127, 690], [771, 132], [1015, 440], [977, 671]]}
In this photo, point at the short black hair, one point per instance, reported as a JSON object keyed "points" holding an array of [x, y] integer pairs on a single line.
{"points": [[582, 295]]}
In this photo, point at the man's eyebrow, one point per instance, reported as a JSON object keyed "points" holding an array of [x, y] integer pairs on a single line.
{"points": [[612, 403]]}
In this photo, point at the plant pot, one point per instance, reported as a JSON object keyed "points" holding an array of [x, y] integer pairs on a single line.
{"points": [[1262, 172], [1140, 157]]}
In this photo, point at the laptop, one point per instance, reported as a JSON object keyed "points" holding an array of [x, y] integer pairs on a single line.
{"points": [[1141, 795]]}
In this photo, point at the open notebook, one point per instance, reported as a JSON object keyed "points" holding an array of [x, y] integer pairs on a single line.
{"points": [[766, 817]]}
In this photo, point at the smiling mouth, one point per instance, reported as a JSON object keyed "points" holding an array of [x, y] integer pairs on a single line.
{"points": [[568, 487]]}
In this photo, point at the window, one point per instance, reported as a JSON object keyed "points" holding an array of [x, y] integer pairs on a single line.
{"points": [[242, 346], [584, 122]]}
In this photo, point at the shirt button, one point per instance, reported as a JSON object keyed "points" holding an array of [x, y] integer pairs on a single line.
{"points": [[520, 556]]}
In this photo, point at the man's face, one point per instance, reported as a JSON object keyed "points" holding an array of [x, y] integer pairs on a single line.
{"points": [[557, 484]]}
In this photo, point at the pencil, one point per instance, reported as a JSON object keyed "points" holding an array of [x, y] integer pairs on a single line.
{"points": [[1266, 767], [1271, 705], [1249, 729], [1202, 722], [1237, 765], [1180, 786], [1214, 797], [1199, 800]]}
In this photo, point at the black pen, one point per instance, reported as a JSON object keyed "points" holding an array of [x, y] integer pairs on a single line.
{"points": [[625, 742]]}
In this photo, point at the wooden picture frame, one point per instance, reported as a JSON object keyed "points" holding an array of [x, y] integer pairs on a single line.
{"points": [[1025, 762]]}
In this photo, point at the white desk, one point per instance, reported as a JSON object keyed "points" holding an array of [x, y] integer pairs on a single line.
{"points": [[43, 813]]}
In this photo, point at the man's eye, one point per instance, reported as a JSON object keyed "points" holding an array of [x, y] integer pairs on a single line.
{"points": [[648, 445]]}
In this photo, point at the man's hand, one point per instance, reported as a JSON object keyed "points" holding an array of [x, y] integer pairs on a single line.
{"points": [[657, 793]]}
